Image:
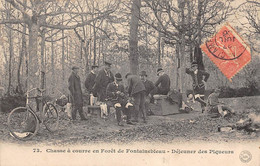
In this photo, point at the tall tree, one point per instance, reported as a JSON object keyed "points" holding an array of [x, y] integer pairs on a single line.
{"points": [[133, 36]]}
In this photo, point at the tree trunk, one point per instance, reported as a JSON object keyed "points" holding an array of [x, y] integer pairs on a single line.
{"points": [[63, 61], [159, 49], [182, 87], [133, 38], [199, 21], [159, 44], [90, 47], [190, 30], [52, 65], [43, 67], [95, 45], [177, 67], [11, 52], [33, 81], [99, 50], [22, 53]]}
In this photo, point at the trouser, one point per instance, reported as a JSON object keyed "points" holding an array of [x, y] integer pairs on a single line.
{"points": [[127, 112], [221, 109], [74, 112], [118, 114], [122, 109], [160, 91], [102, 95], [147, 104], [199, 93], [139, 105]]}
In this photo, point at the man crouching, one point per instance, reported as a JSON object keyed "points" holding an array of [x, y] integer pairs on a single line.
{"points": [[216, 107], [117, 98]]}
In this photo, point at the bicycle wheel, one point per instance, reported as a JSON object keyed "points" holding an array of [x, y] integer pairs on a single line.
{"points": [[51, 117], [23, 123]]}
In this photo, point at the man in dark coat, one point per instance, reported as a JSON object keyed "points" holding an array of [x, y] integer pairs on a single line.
{"points": [[199, 78], [89, 85], [90, 79], [76, 94], [104, 77], [149, 88], [163, 83], [118, 99], [136, 89]]}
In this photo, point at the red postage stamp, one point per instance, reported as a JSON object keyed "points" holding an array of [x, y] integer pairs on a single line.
{"points": [[228, 51]]}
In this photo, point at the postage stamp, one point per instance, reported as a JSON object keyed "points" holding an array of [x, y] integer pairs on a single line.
{"points": [[228, 51]]}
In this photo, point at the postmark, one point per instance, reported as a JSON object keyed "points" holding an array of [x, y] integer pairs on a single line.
{"points": [[245, 156], [228, 51]]}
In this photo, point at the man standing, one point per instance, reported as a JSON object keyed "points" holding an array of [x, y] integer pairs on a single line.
{"points": [[149, 87], [199, 78], [136, 89], [104, 77], [76, 94], [163, 83], [116, 95], [90, 79], [90, 82]]}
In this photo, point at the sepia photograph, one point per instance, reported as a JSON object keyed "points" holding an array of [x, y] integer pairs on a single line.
{"points": [[129, 82]]}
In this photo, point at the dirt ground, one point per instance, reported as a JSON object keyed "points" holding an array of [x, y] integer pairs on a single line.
{"points": [[193, 126]]}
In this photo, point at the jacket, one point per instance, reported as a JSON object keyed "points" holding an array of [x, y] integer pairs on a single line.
{"points": [[111, 90], [197, 78], [149, 87], [75, 89], [90, 82], [135, 85], [102, 80], [164, 82]]}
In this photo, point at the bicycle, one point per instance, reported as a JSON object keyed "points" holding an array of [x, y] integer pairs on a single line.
{"points": [[24, 123]]}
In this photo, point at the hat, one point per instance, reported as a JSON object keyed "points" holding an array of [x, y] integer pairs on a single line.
{"points": [[194, 63], [118, 77], [128, 75], [143, 73], [75, 67], [108, 63], [159, 70], [94, 66]]}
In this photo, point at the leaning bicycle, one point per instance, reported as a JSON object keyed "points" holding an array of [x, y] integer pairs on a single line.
{"points": [[24, 123]]}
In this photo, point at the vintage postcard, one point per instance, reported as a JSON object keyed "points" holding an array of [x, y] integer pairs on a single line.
{"points": [[129, 82]]}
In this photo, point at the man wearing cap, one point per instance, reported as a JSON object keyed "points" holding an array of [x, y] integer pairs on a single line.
{"points": [[136, 89], [104, 77], [199, 78], [163, 83], [118, 99], [214, 106], [149, 87], [76, 94]]}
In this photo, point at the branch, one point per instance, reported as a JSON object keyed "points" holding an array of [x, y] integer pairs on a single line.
{"points": [[257, 3], [56, 39], [18, 8], [12, 21], [64, 27]]}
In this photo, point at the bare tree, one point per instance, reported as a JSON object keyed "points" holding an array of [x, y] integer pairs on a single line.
{"points": [[36, 14], [133, 37], [183, 24]]}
